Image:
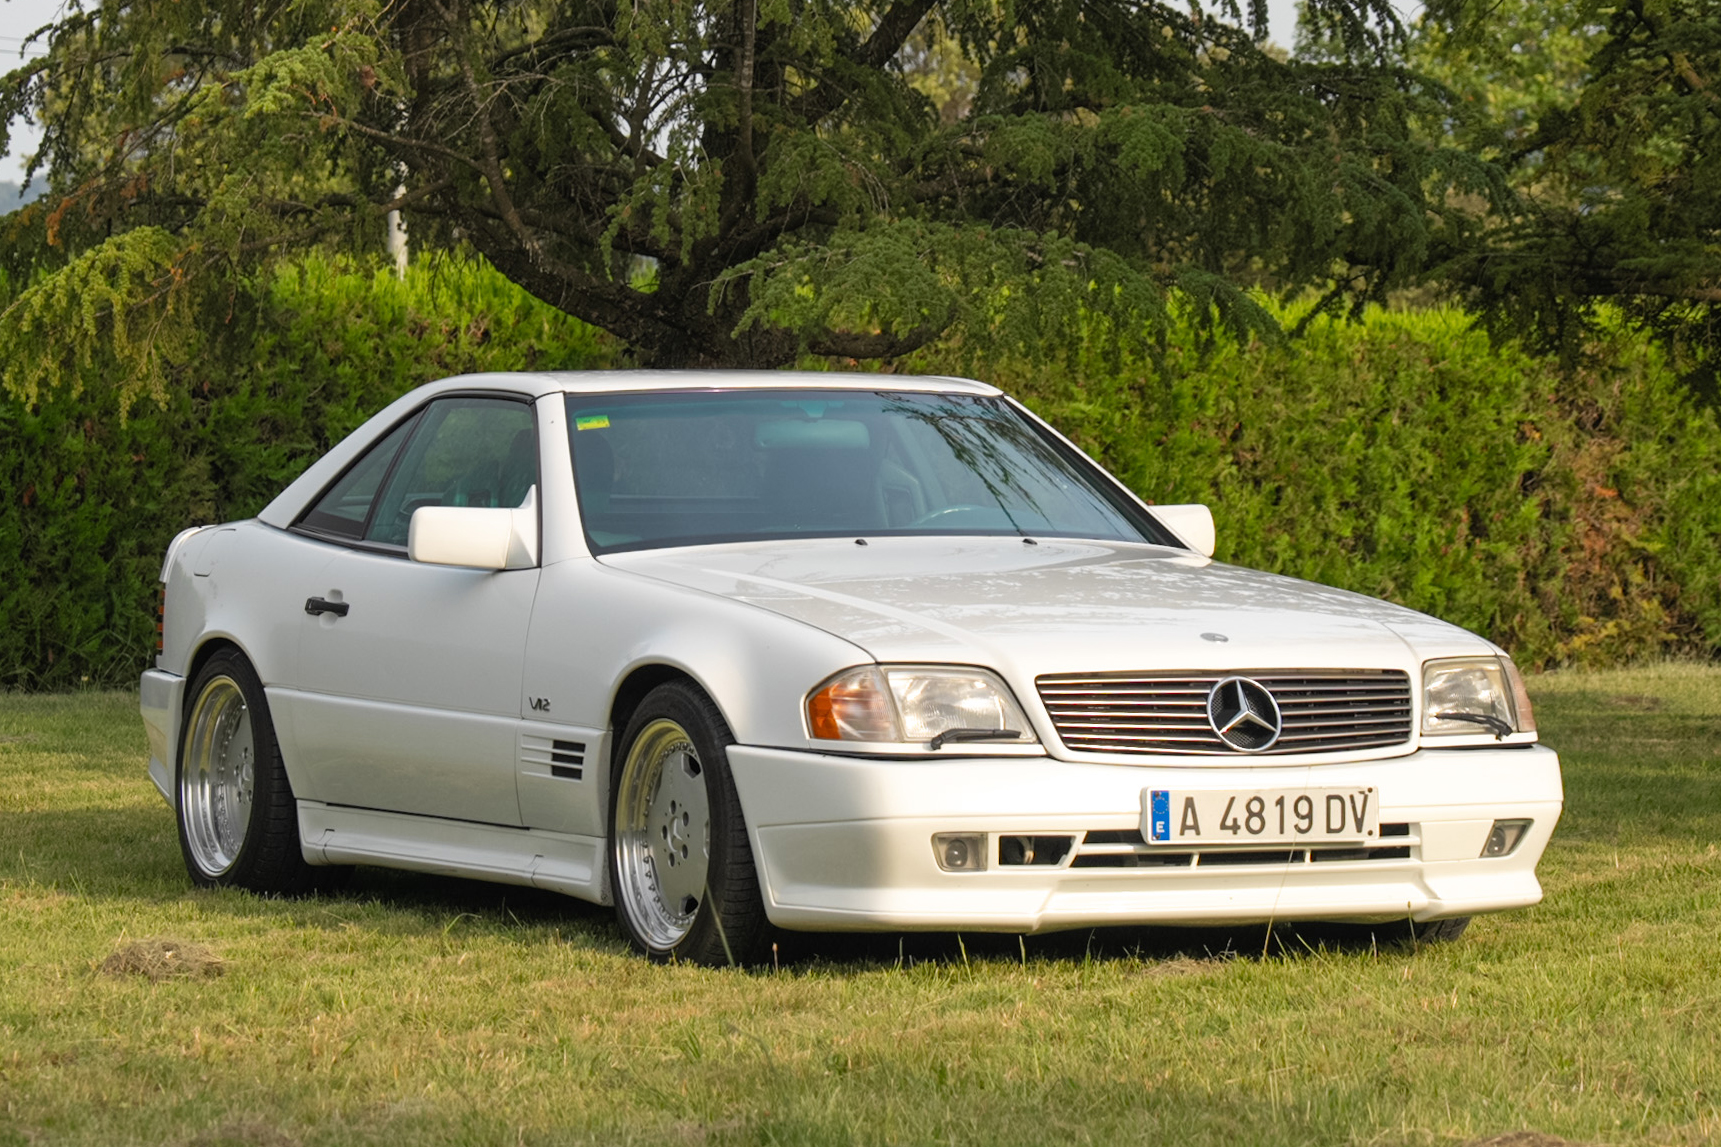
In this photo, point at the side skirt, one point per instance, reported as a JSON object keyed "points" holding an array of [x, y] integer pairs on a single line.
{"points": [[535, 858]]}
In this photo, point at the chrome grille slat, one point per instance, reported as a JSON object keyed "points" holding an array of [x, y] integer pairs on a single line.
{"points": [[1146, 700], [1135, 712]]}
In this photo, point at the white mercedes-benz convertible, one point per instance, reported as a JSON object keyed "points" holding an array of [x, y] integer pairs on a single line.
{"points": [[816, 652]]}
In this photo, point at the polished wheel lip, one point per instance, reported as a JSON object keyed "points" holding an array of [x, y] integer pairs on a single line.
{"points": [[663, 834], [217, 777]]}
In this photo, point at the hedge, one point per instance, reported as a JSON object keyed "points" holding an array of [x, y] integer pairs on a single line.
{"points": [[1572, 516], [90, 495]]}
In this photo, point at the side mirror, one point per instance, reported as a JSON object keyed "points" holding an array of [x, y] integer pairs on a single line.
{"points": [[1192, 523], [476, 536]]}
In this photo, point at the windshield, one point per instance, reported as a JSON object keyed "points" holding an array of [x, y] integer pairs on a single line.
{"points": [[690, 468]]}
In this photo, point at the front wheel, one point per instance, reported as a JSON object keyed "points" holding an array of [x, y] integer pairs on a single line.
{"points": [[1408, 932], [238, 821], [680, 862]]}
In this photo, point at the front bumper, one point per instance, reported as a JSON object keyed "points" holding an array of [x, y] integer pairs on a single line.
{"points": [[845, 843]]}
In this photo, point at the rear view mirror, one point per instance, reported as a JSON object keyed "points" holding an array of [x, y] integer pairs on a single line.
{"points": [[476, 536], [1192, 523]]}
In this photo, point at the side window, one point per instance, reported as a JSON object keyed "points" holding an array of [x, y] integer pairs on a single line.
{"points": [[343, 510], [466, 452]]}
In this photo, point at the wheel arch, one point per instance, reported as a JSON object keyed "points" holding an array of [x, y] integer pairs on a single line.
{"points": [[208, 647], [637, 683]]}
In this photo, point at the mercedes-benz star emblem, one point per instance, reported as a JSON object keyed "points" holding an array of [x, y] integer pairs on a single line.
{"points": [[1244, 714]]}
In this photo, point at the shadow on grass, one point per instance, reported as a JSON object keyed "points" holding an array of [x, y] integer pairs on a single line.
{"points": [[1189, 948], [1633, 773], [132, 855], [121, 855]]}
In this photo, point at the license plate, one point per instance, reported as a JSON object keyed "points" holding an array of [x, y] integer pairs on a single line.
{"points": [[1260, 816]]}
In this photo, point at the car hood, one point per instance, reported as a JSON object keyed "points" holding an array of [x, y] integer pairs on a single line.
{"points": [[1056, 606]]}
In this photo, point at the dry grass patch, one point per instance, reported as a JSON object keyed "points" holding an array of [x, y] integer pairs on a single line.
{"points": [[163, 959]]}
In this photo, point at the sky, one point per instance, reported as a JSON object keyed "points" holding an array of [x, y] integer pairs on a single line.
{"points": [[18, 18]]}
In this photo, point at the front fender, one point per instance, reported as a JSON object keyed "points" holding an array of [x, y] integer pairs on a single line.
{"points": [[593, 625]]}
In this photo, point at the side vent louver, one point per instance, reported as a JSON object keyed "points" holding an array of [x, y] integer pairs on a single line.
{"points": [[566, 759]]}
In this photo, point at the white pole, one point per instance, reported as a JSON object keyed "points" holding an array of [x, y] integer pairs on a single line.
{"points": [[397, 236]]}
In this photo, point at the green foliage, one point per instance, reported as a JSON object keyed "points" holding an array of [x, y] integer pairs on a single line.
{"points": [[1525, 59], [1608, 116], [89, 497], [120, 308], [757, 153], [1571, 517]]}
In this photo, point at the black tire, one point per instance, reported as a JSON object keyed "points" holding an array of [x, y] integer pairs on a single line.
{"points": [[238, 826], [1429, 932], [678, 727]]}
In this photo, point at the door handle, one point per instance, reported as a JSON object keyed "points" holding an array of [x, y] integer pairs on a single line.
{"points": [[316, 605]]}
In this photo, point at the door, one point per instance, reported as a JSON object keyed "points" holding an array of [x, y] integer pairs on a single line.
{"points": [[409, 674]]}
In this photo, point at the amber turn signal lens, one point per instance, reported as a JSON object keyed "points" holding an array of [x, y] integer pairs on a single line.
{"points": [[852, 706], [822, 717], [1520, 697]]}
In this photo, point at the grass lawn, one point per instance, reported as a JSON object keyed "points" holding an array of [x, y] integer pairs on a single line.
{"points": [[412, 1009]]}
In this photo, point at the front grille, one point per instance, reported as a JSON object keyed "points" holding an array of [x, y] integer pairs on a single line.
{"points": [[1323, 710]]}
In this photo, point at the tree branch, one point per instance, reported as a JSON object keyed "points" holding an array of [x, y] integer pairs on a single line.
{"points": [[593, 36], [893, 30], [744, 80], [878, 344]]}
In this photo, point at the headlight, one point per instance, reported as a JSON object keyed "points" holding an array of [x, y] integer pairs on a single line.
{"points": [[1471, 695], [911, 704]]}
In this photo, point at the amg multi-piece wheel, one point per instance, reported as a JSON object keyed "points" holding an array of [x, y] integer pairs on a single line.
{"points": [[238, 824], [680, 863]]}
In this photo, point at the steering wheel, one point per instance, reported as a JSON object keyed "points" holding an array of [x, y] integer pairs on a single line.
{"points": [[932, 516]]}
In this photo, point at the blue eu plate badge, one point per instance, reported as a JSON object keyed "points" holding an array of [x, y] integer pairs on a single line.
{"points": [[1159, 815]]}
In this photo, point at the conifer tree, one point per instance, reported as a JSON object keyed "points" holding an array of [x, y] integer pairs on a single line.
{"points": [[1606, 118], [729, 182]]}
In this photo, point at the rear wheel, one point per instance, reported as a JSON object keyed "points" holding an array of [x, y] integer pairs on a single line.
{"points": [[238, 822], [680, 862]]}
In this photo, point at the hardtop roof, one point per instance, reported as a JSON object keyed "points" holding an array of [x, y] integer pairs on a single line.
{"points": [[539, 383]]}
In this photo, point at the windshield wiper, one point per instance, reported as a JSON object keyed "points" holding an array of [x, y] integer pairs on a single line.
{"points": [[952, 736], [1496, 726]]}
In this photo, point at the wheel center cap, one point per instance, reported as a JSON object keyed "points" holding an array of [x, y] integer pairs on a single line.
{"points": [[676, 833]]}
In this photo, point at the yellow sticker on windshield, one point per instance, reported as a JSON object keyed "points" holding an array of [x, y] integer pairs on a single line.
{"points": [[592, 422]]}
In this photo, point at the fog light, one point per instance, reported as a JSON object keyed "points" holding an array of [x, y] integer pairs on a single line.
{"points": [[960, 851], [1505, 837]]}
